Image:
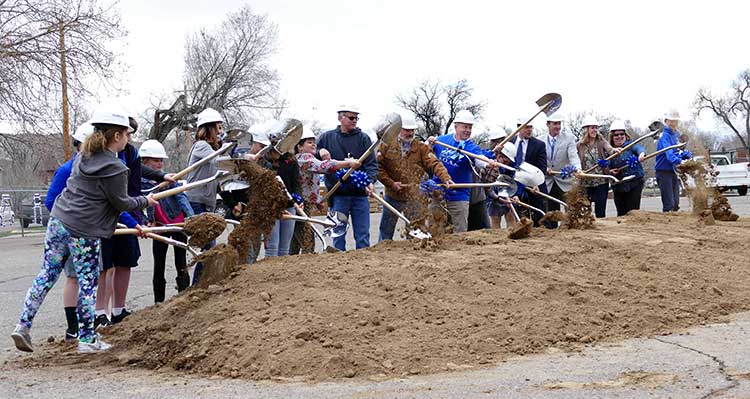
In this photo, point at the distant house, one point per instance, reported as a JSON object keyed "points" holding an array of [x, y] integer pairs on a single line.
{"points": [[734, 150]]}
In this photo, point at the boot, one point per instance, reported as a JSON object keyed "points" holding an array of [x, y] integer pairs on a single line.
{"points": [[183, 282]]}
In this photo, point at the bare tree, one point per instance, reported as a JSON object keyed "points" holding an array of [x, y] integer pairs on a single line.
{"points": [[732, 109], [426, 101], [50, 52], [573, 124], [226, 69]]}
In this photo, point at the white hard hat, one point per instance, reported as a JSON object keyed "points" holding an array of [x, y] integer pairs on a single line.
{"points": [[348, 108], [110, 116], [510, 150], [408, 122], [307, 133], [617, 125], [497, 134], [556, 117], [589, 120], [672, 115], [83, 131], [209, 115], [152, 149], [464, 116]]}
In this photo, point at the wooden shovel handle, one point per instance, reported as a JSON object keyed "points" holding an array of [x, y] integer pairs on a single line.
{"points": [[351, 170], [391, 208], [196, 165]]}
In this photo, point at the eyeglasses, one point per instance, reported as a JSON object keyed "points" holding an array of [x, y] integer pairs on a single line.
{"points": [[352, 118], [618, 134]]}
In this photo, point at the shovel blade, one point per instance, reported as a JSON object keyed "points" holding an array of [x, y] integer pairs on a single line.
{"points": [[388, 128], [285, 134], [551, 103], [529, 175], [420, 235]]}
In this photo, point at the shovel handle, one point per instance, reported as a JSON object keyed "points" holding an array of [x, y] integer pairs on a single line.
{"points": [[287, 216], [518, 129], [175, 243], [159, 229], [351, 170], [183, 188], [475, 156], [391, 208], [549, 197], [663, 150], [224, 148]]}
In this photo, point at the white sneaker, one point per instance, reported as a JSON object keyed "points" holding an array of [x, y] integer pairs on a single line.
{"points": [[97, 346], [22, 338]]}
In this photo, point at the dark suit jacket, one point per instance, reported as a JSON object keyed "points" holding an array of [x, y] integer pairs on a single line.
{"points": [[536, 153]]}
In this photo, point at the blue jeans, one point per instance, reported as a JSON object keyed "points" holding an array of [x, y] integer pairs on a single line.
{"points": [[358, 210], [200, 208], [669, 188], [598, 195], [389, 219], [281, 237]]}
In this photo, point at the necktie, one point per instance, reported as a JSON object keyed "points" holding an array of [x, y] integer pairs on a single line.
{"points": [[552, 147], [519, 153]]}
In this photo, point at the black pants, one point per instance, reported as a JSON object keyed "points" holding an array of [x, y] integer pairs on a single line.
{"points": [[598, 195], [626, 201], [478, 217], [159, 250], [558, 193]]}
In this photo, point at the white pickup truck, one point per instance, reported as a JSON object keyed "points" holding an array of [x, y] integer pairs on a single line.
{"points": [[732, 176]]}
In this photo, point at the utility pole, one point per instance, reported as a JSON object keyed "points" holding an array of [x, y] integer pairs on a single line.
{"points": [[64, 81]]}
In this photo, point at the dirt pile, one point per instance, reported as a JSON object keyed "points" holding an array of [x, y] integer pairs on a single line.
{"points": [[721, 209], [204, 228], [579, 213], [391, 310], [218, 263]]}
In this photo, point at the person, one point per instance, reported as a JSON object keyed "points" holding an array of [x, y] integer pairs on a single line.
{"points": [[666, 177], [591, 148], [309, 181], [627, 195], [174, 209], [207, 140], [533, 151], [561, 152], [85, 212], [497, 208], [286, 167], [401, 168], [460, 167], [59, 180], [349, 141]]}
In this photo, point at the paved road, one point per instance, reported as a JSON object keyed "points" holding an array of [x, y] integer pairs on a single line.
{"points": [[689, 365]]}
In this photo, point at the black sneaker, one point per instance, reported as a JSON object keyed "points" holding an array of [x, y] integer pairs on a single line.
{"points": [[101, 321], [71, 336], [120, 317]]}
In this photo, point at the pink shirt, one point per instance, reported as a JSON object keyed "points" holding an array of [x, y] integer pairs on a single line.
{"points": [[310, 170]]}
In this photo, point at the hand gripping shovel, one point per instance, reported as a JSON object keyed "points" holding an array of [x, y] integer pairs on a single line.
{"points": [[387, 130], [179, 175], [548, 103], [415, 233], [623, 149]]}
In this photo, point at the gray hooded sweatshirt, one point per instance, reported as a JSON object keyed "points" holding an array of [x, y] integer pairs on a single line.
{"points": [[96, 193]]}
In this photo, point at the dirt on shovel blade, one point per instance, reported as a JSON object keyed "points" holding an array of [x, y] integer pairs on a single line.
{"points": [[522, 229], [204, 228]]}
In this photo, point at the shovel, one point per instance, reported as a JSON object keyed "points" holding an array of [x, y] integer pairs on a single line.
{"points": [[386, 130], [548, 103], [416, 233], [151, 233], [189, 186], [157, 229], [179, 175], [284, 135], [341, 221], [623, 149], [329, 223], [663, 150], [608, 177], [326, 223], [549, 197]]}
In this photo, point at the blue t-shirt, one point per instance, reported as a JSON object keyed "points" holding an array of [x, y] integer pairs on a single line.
{"points": [[458, 165]]}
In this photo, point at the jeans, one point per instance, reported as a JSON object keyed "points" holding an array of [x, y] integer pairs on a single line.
{"points": [[558, 193], [389, 219], [626, 201], [358, 210], [281, 237], [598, 195], [669, 188], [459, 211], [200, 208]]}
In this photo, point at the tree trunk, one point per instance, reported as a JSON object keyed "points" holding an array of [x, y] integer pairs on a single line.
{"points": [[64, 81]]}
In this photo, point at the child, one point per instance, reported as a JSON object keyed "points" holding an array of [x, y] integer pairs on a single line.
{"points": [[84, 213], [169, 210]]}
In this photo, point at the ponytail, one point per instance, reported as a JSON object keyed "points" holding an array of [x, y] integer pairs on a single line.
{"points": [[100, 139]]}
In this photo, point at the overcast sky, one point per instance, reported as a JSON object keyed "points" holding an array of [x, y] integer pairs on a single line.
{"points": [[633, 59]]}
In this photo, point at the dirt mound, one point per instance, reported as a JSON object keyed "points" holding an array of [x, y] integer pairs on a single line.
{"points": [[204, 228], [218, 263], [396, 310], [579, 213]]}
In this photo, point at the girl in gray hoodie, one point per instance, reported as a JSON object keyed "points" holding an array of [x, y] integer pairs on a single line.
{"points": [[84, 213]]}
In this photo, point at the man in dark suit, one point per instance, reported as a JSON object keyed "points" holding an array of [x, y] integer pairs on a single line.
{"points": [[533, 151]]}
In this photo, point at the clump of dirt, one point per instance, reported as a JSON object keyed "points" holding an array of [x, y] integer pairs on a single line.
{"points": [[721, 209], [579, 213], [706, 218], [699, 193], [204, 228], [553, 216], [394, 311], [218, 263], [520, 230]]}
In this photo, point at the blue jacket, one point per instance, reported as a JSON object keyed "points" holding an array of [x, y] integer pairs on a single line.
{"points": [[60, 181], [622, 160], [344, 145], [458, 165], [668, 160]]}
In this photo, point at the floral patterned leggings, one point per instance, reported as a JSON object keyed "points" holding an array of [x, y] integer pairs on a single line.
{"points": [[59, 244]]}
